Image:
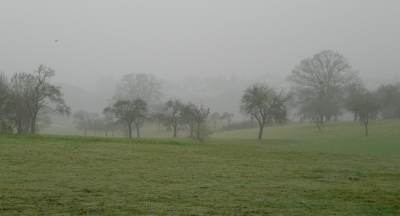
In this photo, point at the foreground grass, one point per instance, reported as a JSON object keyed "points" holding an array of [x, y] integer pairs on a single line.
{"points": [[52, 175]]}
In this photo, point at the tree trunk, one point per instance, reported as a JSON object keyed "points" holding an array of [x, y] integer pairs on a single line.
{"points": [[85, 132], [130, 130], [33, 123], [191, 130], [175, 130], [137, 131], [260, 133], [366, 126], [106, 133]]}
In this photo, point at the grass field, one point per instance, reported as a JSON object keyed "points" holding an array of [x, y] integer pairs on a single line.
{"points": [[295, 170]]}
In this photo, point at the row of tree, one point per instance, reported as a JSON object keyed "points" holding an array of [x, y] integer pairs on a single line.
{"points": [[27, 100], [325, 86]]}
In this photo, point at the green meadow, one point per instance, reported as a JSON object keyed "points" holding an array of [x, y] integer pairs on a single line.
{"points": [[294, 170]]}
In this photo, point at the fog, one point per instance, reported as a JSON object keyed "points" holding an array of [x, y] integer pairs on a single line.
{"points": [[92, 44]]}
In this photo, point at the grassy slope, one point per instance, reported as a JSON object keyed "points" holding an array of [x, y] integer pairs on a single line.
{"points": [[54, 175], [346, 137]]}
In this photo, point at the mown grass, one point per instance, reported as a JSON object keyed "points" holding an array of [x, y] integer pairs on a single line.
{"points": [[84, 176], [72, 175]]}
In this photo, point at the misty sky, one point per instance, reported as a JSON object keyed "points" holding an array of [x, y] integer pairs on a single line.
{"points": [[177, 38]]}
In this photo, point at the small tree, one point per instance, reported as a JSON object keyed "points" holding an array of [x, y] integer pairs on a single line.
{"points": [[265, 104], [129, 112], [200, 117], [203, 132], [187, 118], [227, 116], [215, 118], [82, 120], [365, 103], [172, 114]]}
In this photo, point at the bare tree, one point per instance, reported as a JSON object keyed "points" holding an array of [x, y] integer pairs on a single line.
{"points": [[109, 124], [325, 76], [389, 98], [82, 120], [365, 103], [227, 116], [40, 97], [139, 86], [203, 132], [173, 114], [6, 124], [187, 118], [200, 118], [215, 118], [265, 104], [95, 123], [129, 112]]}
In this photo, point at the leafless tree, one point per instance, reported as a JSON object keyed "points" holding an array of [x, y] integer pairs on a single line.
{"points": [[215, 117], [365, 103], [82, 120], [265, 104], [139, 86], [389, 98], [173, 114], [40, 97], [187, 118], [227, 116], [200, 115], [325, 75], [130, 112]]}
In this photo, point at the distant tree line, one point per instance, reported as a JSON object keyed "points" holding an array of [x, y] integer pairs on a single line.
{"points": [[323, 88], [27, 100], [137, 102]]}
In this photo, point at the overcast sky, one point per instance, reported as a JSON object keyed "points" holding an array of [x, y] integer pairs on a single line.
{"points": [[177, 38]]}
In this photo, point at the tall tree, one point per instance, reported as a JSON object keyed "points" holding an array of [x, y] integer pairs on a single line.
{"points": [[40, 97], [139, 86], [129, 112], [265, 104], [324, 76]]}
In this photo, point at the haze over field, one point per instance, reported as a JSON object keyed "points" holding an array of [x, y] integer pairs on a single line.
{"points": [[172, 39]]}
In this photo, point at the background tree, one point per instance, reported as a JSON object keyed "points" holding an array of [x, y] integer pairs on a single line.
{"points": [[365, 103], [109, 124], [139, 86], [95, 123], [6, 125], [265, 104], [215, 117], [82, 120], [324, 76], [172, 114], [227, 116], [200, 118], [187, 118], [129, 112], [389, 98]]}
